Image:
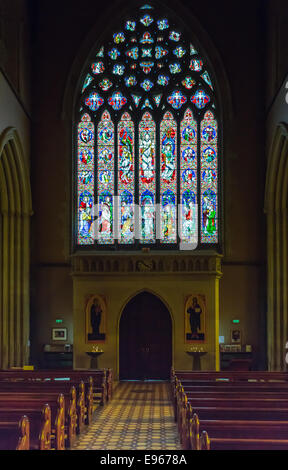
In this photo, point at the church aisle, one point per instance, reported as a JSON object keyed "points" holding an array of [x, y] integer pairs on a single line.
{"points": [[139, 417]]}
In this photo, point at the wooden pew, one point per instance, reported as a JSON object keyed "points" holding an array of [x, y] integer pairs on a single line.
{"points": [[233, 388], [78, 399], [207, 378], [239, 402], [51, 392], [15, 435], [235, 409], [207, 443], [241, 399], [188, 380], [238, 376], [48, 384], [245, 405], [230, 429], [102, 383], [102, 379], [35, 436], [229, 414], [26, 401]]}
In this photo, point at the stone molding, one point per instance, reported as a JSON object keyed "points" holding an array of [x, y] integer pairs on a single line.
{"points": [[88, 264]]}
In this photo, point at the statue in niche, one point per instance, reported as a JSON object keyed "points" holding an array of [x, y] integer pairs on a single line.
{"points": [[95, 314], [195, 318]]}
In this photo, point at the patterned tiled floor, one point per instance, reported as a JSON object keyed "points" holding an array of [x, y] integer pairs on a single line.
{"points": [[140, 416]]}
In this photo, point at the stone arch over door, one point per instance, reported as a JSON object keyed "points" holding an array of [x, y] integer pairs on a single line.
{"points": [[277, 248], [15, 212], [145, 338]]}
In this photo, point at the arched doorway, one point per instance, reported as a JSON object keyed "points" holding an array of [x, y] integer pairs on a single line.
{"points": [[145, 339]]}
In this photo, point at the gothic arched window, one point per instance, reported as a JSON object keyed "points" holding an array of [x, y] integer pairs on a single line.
{"points": [[147, 140]]}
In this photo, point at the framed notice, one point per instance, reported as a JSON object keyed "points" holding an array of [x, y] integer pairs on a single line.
{"points": [[59, 334], [236, 336], [195, 318]]}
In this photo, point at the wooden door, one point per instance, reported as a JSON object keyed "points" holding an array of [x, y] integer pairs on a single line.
{"points": [[145, 339]]}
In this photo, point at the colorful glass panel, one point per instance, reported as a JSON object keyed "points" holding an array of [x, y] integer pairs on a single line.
{"points": [[174, 36], [147, 85], [147, 66], [163, 24], [168, 179], [179, 52], [188, 178], [146, 38], [130, 81], [147, 104], [105, 181], [117, 100], [97, 68], [175, 68], [136, 99], [133, 53], [146, 7], [160, 52], [114, 54], [94, 101], [157, 99], [147, 179], [209, 178], [87, 82], [130, 25], [118, 69], [196, 65], [101, 52], [188, 82], [193, 51], [105, 84], [146, 52], [85, 183], [176, 99], [146, 20], [206, 77], [126, 181], [200, 99], [119, 38], [163, 80]]}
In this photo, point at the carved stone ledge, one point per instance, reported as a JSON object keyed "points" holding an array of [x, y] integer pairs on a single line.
{"points": [[90, 264]]}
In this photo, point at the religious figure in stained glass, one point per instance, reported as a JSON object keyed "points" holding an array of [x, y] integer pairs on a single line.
{"points": [[85, 212], [127, 217], [105, 216], [147, 152], [148, 217]]}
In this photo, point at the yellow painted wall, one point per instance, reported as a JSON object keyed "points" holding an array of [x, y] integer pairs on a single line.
{"points": [[118, 290]]}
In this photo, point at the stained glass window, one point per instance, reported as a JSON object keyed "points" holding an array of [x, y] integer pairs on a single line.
{"points": [[188, 176], [147, 178], [148, 142], [168, 179], [209, 179], [105, 181], [126, 179], [85, 170]]}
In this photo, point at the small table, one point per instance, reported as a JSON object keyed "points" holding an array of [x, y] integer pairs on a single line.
{"points": [[94, 358], [196, 358]]}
